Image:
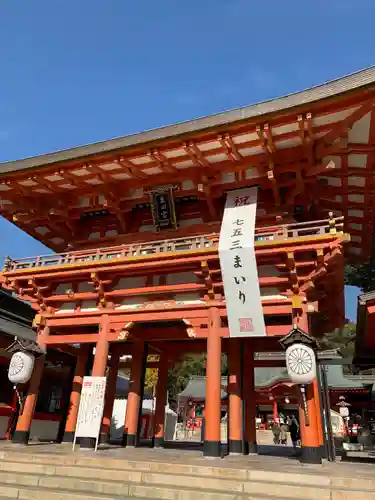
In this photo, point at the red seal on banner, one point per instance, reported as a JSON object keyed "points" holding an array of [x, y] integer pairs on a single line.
{"points": [[246, 325]]}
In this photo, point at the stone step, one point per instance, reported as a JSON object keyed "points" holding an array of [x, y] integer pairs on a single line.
{"points": [[156, 485], [57, 490], [8, 491], [140, 466], [246, 483], [86, 481], [73, 475]]}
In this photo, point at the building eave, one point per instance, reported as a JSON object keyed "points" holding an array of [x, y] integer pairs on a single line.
{"points": [[360, 80], [363, 357]]}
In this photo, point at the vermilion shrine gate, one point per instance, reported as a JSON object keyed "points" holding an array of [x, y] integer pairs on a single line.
{"points": [[135, 225]]}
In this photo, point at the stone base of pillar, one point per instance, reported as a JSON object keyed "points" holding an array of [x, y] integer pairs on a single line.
{"points": [[212, 449], [158, 442], [251, 449], [88, 443], [235, 447], [311, 455], [69, 437], [129, 440], [21, 437], [104, 438]]}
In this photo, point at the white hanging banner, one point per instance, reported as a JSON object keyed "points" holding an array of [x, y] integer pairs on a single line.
{"points": [[91, 408], [238, 265]]}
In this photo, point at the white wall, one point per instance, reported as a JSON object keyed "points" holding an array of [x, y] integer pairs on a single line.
{"points": [[118, 419]]}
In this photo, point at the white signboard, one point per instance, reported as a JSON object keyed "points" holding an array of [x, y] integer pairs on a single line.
{"points": [[91, 407], [238, 265]]}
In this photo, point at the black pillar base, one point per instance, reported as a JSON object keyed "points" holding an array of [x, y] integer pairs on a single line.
{"points": [[158, 442], [21, 437], [212, 449], [323, 452], [69, 437], [88, 443], [129, 440], [311, 455], [104, 438], [251, 448], [235, 447]]}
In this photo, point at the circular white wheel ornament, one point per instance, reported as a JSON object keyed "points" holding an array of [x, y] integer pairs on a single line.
{"points": [[300, 363], [21, 367]]}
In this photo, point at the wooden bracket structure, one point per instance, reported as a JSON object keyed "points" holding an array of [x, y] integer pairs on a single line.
{"points": [[291, 263], [99, 286], [190, 329], [230, 147], [195, 154], [207, 278], [125, 331], [266, 140]]}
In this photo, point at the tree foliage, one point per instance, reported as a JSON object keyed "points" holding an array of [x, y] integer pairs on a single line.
{"points": [[151, 376], [342, 339], [180, 374], [189, 366], [361, 275]]}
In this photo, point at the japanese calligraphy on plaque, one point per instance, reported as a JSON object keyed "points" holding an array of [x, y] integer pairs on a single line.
{"points": [[91, 407], [163, 209], [238, 264]]}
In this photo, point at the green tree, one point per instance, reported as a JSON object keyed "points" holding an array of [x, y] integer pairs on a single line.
{"points": [[180, 374], [151, 376], [189, 366], [361, 275], [342, 339]]}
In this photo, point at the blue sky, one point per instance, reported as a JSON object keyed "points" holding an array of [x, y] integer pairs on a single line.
{"points": [[76, 72]]}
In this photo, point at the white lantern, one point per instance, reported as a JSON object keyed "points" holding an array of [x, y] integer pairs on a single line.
{"points": [[300, 363], [344, 411], [21, 367]]}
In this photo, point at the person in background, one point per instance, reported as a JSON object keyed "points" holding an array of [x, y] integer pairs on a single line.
{"points": [[276, 432], [284, 432], [294, 431]]}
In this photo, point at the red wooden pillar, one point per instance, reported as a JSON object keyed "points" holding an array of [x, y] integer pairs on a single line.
{"points": [[110, 396], [99, 367], [311, 451], [161, 400], [275, 412], [310, 444], [251, 446], [22, 433], [12, 415], [101, 349], [75, 397], [134, 396], [212, 442], [235, 397], [319, 418]]}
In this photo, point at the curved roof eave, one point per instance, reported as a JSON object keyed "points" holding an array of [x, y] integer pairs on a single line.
{"points": [[357, 80]]}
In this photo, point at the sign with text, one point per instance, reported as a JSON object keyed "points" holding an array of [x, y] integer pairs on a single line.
{"points": [[238, 265], [162, 205], [91, 407]]}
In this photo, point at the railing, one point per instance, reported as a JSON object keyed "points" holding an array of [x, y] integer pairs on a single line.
{"points": [[274, 233]]}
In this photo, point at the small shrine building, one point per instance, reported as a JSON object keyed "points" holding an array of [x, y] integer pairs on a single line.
{"points": [[275, 394], [142, 239]]}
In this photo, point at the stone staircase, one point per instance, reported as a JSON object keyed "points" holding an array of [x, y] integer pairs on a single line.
{"points": [[42, 476]]}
